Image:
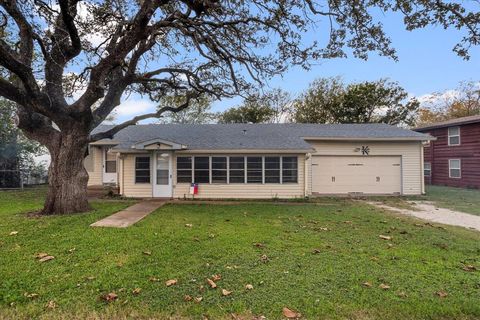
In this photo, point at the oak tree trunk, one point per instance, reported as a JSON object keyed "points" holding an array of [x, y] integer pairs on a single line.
{"points": [[67, 176]]}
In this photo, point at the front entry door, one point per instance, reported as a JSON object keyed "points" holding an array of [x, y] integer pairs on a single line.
{"points": [[162, 187], [109, 160]]}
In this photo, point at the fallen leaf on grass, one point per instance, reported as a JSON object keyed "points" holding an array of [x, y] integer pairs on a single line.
{"points": [[441, 294], [198, 299], [216, 277], [385, 237], [46, 258], [41, 255], [72, 250], [136, 291], [153, 279], [211, 283], [384, 286], [290, 314], [367, 284], [13, 233], [90, 278], [147, 253], [248, 287], [188, 225], [109, 297], [187, 298], [374, 258], [469, 268], [31, 295], [264, 258], [316, 251], [171, 282], [51, 305], [402, 294], [226, 292], [259, 245]]}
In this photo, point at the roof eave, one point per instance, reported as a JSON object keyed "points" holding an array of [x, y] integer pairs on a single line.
{"points": [[445, 125], [425, 138]]}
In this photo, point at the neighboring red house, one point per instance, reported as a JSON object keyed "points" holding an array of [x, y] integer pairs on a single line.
{"points": [[454, 158]]}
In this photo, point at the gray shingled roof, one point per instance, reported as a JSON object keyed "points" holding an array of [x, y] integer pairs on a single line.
{"points": [[255, 136], [449, 123]]}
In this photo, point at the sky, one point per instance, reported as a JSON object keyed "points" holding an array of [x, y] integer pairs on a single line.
{"points": [[426, 64]]}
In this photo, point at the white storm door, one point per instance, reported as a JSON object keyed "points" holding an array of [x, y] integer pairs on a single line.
{"points": [[162, 187], [109, 160]]}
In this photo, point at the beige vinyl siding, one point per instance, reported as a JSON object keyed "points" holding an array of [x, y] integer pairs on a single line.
{"points": [[410, 153], [93, 165], [243, 190], [127, 184]]}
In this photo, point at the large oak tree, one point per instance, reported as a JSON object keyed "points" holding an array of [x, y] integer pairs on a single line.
{"points": [[68, 63]]}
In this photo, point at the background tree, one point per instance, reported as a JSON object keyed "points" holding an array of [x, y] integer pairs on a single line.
{"points": [[331, 101], [315, 104], [199, 111], [268, 107], [464, 101], [17, 153], [70, 62]]}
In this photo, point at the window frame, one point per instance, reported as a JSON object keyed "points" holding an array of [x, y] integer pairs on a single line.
{"points": [[282, 168], [429, 169], [105, 161], [149, 169], [450, 168], [227, 162], [453, 136], [244, 170], [279, 169], [209, 170], [191, 168], [262, 168]]}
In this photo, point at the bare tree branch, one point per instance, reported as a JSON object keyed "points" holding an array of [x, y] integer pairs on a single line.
{"points": [[111, 132]]}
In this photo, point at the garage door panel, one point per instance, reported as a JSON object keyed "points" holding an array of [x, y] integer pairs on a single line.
{"points": [[356, 174]]}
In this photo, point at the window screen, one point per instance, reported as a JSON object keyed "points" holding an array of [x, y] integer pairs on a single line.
{"points": [[254, 170], [142, 170], [289, 170], [219, 169], [272, 169], [455, 168], [202, 170], [237, 170], [184, 169]]}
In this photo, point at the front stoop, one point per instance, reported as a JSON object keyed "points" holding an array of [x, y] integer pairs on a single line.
{"points": [[129, 216]]}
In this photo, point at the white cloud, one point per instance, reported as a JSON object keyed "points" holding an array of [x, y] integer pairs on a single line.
{"points": [[432, 99], [133, 107]]}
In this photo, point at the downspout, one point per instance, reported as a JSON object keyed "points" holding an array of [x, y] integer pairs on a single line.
{"points": [[422, 172], [123, 176], [305, 175]]}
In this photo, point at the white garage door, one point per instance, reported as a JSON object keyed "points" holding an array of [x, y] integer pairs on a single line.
{"points": [[351, 174]]}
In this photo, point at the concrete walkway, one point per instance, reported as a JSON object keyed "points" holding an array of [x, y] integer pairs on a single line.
{"points": [[428, 211], [129, 216]]}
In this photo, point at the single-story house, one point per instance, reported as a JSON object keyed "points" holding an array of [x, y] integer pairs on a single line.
{"points": [[258, 160], [453, 159]]}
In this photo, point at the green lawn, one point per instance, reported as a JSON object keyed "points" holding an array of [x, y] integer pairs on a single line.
{"points": [[418, 262]]}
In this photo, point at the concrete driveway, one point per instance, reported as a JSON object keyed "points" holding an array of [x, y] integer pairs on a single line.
{"points": [[428, 211]]}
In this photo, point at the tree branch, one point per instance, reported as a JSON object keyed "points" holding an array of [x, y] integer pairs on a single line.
{"points": [[110, 133]]}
